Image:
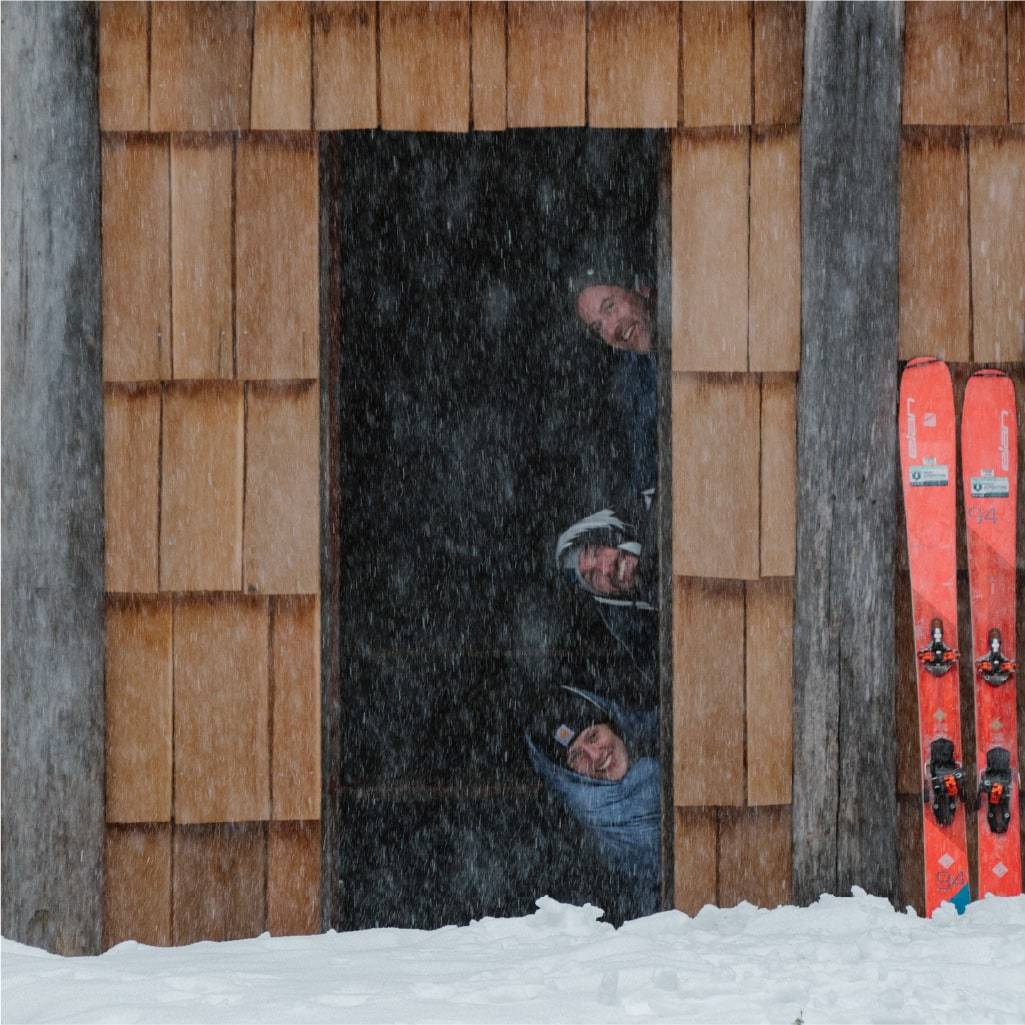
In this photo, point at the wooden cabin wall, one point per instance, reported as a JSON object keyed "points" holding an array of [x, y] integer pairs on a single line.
{"points": [[209, 114], [962, 289]]}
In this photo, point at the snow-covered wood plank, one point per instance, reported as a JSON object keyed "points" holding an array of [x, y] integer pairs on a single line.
{"points": [[695, 870], [778, 62], [344, 66], [282, 514], [201, 488], [124, 67], [277, 286], [955, 64], [710, 250], [547, 64], [708, 698], [633, 56], [293, 878], [131, 487], [295, 744], [716, 475], [488, 65], [281, 67], [136, 258], [754, 856], [220, 874], [997, 159], [137, 885], [716, 64], [201, 237], [221, 709], [769, 665], [774, 317], [138, 710], [934, 302], [778, 472], [425, 67]]}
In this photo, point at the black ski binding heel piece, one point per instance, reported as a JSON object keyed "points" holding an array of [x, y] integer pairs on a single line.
{"points": [[995, 789], [995, 667], [938, 659], [944, 781]]}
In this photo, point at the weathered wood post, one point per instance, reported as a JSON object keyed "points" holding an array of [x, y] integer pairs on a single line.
{"points": [[52, 480], [844, 814]]}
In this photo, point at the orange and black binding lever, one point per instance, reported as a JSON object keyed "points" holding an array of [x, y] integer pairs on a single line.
{"points": [[995, 667], [944, 781], [938, 658], [995, 788]]}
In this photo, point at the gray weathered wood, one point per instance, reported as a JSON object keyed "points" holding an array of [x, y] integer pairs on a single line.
{"points": [[844, 815], [52, 480]]}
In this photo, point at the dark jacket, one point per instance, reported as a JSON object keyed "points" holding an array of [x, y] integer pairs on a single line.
{"points": [[635, 394]]}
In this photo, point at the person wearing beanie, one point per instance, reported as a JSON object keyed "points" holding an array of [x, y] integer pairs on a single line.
{"points": [[612, 557], [614, 306], [601, 760]]}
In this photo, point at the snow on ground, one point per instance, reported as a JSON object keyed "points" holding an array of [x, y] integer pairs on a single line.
{"points": [[849, 959]]}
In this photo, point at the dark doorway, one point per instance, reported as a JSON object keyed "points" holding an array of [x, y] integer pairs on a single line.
{"points": [[477, 421]]}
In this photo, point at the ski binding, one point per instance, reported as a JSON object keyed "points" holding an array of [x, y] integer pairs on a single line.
{"points": [[944, 784], [995, 667], [995, 788], [938, 659]]}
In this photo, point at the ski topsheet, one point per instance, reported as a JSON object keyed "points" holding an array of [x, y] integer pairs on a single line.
{"points": [[989, 460], [928, 458]]}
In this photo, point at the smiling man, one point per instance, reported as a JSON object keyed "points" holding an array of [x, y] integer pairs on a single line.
{"points": [[620, 317]]}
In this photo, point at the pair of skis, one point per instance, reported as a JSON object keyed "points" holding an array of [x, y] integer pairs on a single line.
{"points": [[928, 451]]}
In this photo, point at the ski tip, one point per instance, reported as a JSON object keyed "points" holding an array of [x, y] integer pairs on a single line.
{"points": [[922, 361], [987, 372]]}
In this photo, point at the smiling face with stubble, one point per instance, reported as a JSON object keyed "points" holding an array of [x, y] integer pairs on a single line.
{"points": [[598, 753], [618, 316]]}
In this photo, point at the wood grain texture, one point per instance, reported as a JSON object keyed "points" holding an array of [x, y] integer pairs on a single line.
{"points": [[281, 67], [295, 740], [221, 709], [220, 874], [136, 217], [344, 66], [955, 64], [137, 885], [124, 67], [282, 515], [488, 65], [754, 857], [138, 710], [997, 172], [911, 857], [769, 627], [547, 64], [844, 662], [1016, 61], [774, 315], [715, 475], [696, 869], [716, 64], [200, 66], [425, 67], [201, 237], [778, 62], [131, 487], [909, 771], [633, 52], [934, 300], [710, 251], [277, 290], [778, 513], [708, 699], [201, 488], [293, 878]]}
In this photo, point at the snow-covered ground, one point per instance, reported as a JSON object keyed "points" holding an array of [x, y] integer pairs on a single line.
{"points": [[842, 960]]}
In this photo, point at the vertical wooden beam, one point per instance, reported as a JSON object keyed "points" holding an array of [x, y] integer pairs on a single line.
{"points": [[1016, 60], [137, 885], [52, 455], [843, 634], [697, 858], [124, 67], [281, 67], [293, 878], [345, 68], [778, 61], [778, 510], [488, 65], [716, 64]]}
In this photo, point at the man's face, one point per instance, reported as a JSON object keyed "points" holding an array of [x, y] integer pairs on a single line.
{"points": [[598, 753], [608, 570], [620, 318]]}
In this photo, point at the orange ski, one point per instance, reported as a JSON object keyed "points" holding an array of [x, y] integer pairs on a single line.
{"points": [[928, 459], [989, 460]]}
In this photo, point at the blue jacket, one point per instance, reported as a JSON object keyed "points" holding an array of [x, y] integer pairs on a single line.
{"points": [[624, 816]]}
